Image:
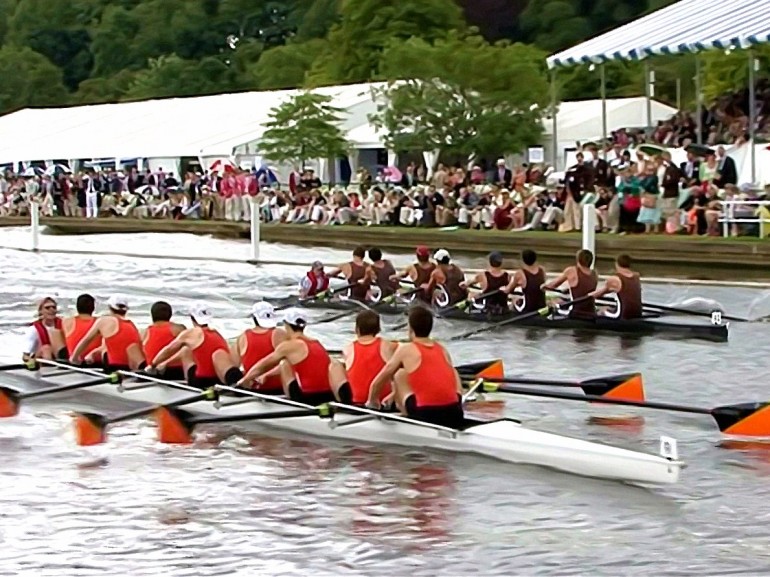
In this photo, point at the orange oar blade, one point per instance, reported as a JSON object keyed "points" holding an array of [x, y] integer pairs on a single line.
{"points": [[90, 429], [746, 419], [9, 402], [493, 370], [173, 426], [629, 386]]}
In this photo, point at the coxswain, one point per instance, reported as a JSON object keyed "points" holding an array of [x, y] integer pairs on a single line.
{"points": [[355, 272], [44, 338], [205, 354], [258, 342], [159, 335], [426, 385], [316, 281], [76, 327], [627, 287], [494, 279], [308, 374], [449, 279], [419, 273], [582, 282], [381, 273], [122, 343], [530, 279], [365, 357]]}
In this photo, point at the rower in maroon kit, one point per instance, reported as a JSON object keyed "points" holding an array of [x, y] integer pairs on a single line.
{"points": [[582, 282], [420, 273], [627, 287], [355, 271], [530, 279], [493, 279]]}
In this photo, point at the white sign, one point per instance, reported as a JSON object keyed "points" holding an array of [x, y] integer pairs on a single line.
{"points": [[536, 154]]}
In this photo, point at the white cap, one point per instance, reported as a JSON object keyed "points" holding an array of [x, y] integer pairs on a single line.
{"points": [[295, 317], [117, 302], [500, 162], [264, 314], [442, 254], [200, 314]]}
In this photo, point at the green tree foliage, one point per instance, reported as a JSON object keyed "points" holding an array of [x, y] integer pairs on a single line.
{"points": [[305, 127], [318, 20], [286, 66], [170, 76], [29, 79], [495, 109]]}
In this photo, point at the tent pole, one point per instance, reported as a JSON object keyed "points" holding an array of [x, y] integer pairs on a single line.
{"points": [[604, 109], [752, 114], [679, 94], [699, 99], [554, 123], [648, 93]]}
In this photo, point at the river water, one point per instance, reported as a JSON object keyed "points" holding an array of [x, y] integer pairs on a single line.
{"points": [[274, 505]]}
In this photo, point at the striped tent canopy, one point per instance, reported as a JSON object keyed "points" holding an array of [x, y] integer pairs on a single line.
{"points": [[687, 26]]}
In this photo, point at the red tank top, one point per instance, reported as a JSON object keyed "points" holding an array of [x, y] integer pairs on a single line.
{"points": [[433, 382], [158, 336], [313, 372], [117, 345], [203, 354], [258, 346], [82, 326], [367, 363], [42, 331]]}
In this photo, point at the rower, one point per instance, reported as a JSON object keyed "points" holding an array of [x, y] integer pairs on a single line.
{"points": [[355, 272], [76, 327], [449, 278], [365, 357], [44, 338], [627, 287], [316, 281], [307, 373], [205, 354], [122, 342], [494, 278], [258, 342], [419, 273], [530, 279], [159, 335], [582, 282], [427, 386], [381, 273]]}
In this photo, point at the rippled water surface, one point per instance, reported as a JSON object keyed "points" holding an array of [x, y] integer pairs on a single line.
{"points": [[279, 505]]}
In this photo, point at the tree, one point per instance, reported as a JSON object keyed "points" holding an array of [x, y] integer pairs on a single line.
{"points": [[318, 20], [286, 66], [496, 109], [29, 79], [103, 90], [171, 76], [304, 127], [356, 44]]}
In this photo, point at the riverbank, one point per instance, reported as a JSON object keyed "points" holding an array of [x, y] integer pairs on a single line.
{"points": [[709, 258]]}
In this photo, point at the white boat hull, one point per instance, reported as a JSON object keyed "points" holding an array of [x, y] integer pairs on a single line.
{"points": [[503, 439]]}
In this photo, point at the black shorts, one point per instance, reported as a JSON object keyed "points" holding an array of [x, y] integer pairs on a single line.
{"points": [[296, 394], [172, 374], [444, 415], [232, 376]]}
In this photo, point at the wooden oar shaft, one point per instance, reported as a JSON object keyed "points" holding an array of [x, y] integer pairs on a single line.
{"points": [[65, 388]]}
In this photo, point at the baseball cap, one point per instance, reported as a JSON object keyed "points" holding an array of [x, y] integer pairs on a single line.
{"points": [[423, 250], [200, 314], [295, 317], [117, 302], [442, 254], [264, 314]]}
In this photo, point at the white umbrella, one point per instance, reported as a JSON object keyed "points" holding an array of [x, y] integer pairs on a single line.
{"points": [[58, 169], [32, 171]]}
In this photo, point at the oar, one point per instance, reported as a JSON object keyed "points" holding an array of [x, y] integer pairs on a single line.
{"points": [[10, 399], [322, 295], [385, 301], [540, 312], [90, 428], [745, 419], [625, 386], [681, 311], [463, 304]]}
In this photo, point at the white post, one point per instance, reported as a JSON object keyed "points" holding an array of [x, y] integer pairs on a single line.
{"points": [[254, 229], [589, 229], [34, 213]]}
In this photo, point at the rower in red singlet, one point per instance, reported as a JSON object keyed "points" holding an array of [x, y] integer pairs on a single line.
{"points": [[427, 386], [582, 282], [449, 279], [316, 281], [204, 352], [44, 338], [365, 357], [122, 343], [419, 273], [627, 287], [159, 335], [494, 279], [308, 374], [529, 278], [258, 342], [355, 271], [381, 273], [76, 327]]}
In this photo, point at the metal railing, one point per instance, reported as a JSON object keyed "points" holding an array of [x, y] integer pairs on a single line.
{"points": [[728, 216]]}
